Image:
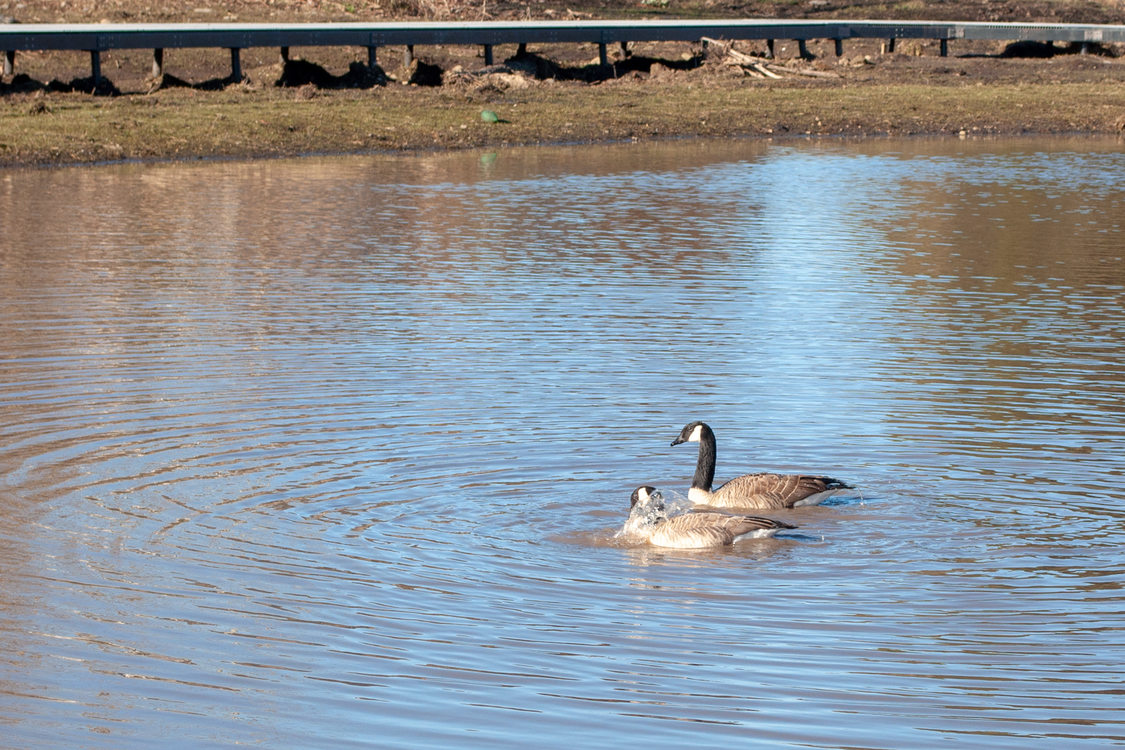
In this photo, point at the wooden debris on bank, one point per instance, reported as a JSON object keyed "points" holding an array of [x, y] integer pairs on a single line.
{"points": [[757, 67], [499, 78]]}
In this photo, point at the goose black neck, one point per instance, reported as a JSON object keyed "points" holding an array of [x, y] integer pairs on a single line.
{"points": [[705, 464]]}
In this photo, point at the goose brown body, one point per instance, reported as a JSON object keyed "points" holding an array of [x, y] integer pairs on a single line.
{"points": [[761, 490], [648, 520]]}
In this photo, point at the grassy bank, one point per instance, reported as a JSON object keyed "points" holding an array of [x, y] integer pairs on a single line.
{"points": [[238, 122], [979, 89]]}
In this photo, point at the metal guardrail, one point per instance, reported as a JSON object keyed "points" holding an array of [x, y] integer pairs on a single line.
{"points": [[97, 38]]}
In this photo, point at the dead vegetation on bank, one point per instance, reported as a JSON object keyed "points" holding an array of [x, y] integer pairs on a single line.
{"points": [[239, 121], [715, 88], [96, 11]]}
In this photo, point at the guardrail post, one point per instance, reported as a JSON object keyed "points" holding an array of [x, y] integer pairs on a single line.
{"points": [[891, 44], [803, 49], [625, 49], [945, 48], [521, 50], [408, 56], [284, 55], [839, 46], [769, 48], [372, 56], [235, 64], [488, 54], [9, 61], [603, 56], [96, 66], [158, 62]]}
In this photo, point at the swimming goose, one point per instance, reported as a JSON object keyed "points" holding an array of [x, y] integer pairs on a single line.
{"points": [[648, 520], [750, 490]]}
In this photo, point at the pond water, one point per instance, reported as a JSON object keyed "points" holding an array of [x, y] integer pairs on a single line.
{"points": [[330, 452]]}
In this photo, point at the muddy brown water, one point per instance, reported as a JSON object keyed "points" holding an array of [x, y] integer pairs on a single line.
{"points": [[330, 452]]}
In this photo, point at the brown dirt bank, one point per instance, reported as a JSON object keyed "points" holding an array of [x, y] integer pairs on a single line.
{"points": [[331, 104], [95, 11], [185, 124]]}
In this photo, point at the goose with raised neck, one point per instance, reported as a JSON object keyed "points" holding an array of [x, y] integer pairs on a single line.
{"points": [[759, 490]]}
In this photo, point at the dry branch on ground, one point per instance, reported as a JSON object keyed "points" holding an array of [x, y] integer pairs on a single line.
{"points": [[753, 65]]}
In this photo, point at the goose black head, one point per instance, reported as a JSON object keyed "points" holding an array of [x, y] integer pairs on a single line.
{"points": [[646, 495], [693, 433]]}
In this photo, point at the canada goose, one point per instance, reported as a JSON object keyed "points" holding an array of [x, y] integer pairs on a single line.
{"points": [[648, 520], [750, 490]]}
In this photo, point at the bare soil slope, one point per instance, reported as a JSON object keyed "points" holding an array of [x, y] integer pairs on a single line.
{"points": [[325, 100]]}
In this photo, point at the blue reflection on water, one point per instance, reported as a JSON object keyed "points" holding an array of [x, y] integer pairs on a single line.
{"points": [[331, 452]]}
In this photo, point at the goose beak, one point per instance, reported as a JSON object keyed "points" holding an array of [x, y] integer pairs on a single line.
{"points": [[677, 441]]}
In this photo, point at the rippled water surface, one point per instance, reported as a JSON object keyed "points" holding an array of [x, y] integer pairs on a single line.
{"points": [[330, 452]]}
